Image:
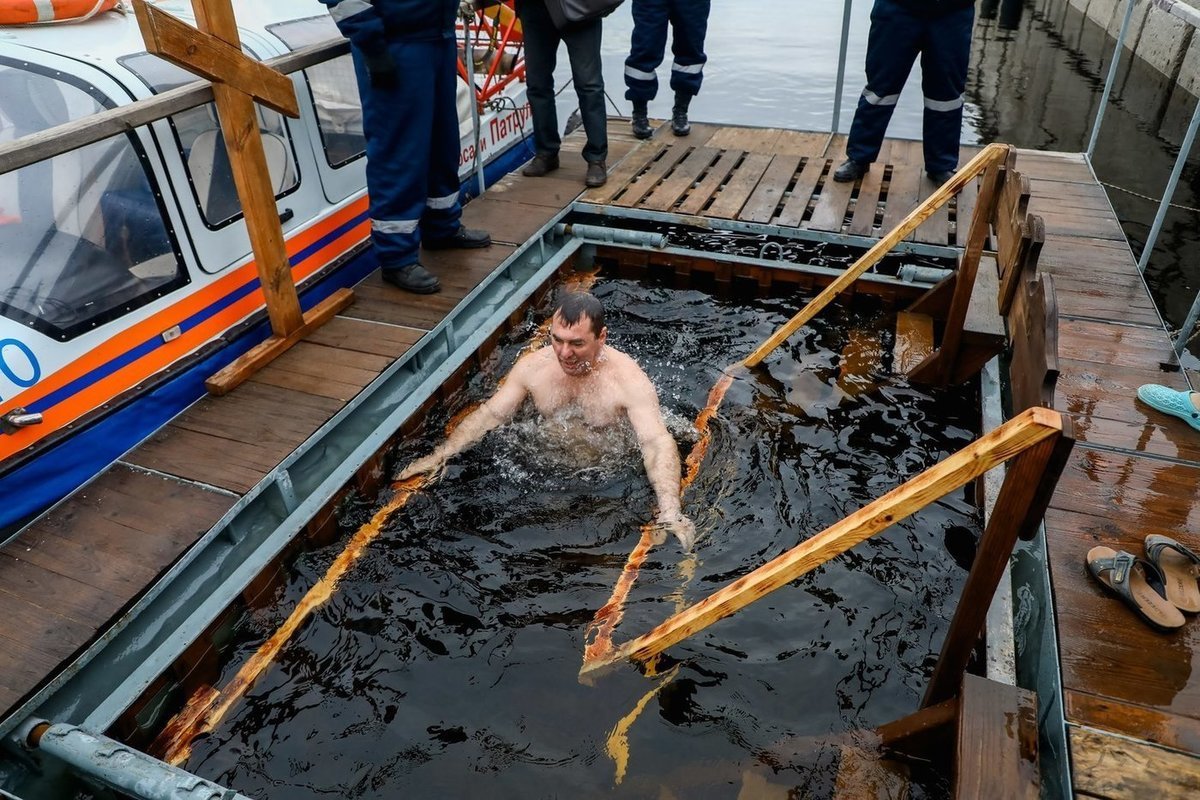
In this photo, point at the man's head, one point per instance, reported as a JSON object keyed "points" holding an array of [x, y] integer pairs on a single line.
{"points": [[577, 332]]}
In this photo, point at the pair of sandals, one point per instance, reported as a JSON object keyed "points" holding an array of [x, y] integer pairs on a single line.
{"points": [[1159, 587]]}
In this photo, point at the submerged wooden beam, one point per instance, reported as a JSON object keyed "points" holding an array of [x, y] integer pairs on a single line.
{"points": [[991, 155], [992, 449]]}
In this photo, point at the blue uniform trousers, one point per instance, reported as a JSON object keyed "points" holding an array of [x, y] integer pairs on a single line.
{"points": [[412, 148], [897, 36], [689, 24]]}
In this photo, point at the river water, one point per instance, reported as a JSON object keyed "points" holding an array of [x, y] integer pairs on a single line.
{"points": [[1036, 79]]}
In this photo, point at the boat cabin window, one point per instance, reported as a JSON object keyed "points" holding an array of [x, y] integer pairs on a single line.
{"points": [[82, 235], [198, 133], [334, 89]]}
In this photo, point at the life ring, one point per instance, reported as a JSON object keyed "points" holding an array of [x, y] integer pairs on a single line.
{"points": [[30, 12]]}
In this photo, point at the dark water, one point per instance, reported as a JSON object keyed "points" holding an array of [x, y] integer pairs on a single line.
{"points": [[446, 664], [1037, 72]]}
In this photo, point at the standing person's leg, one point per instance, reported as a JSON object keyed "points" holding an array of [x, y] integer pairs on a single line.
{"points": [[689, 26], [944, 60], [583, 48], [646, 48], [398, 124], [541, 56], [892, 47], [440, 223]]}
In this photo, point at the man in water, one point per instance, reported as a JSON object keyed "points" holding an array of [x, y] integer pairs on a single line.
{"points": [[580, 373]]}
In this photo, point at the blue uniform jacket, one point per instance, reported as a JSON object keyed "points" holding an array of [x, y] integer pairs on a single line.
{"points": [[371, 23]]}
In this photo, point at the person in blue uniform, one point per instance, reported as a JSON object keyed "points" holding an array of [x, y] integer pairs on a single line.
{"points": [[542, 38], [940, 32], [405, 60], [689, 25]]}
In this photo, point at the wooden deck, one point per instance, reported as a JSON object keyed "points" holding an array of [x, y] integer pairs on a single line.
{"points": [[1131, 697]]}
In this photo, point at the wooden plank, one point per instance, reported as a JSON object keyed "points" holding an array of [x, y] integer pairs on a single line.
{"points": [[866, 206], [713, 180], [996, 753], [1118, 767], [992, 449], [914, 341], [366, 337], [670, 191], [508, 222], [770, 190], [751, 140], [57, 593], [245, 366], [806, 144], [733, 195], [232, 465], [829, 213], [798, 201], [903, 191], [1033, 331], [646, 182], [1155, 726], [623, 174], [936, 229], [556, 190], [964, 209]]}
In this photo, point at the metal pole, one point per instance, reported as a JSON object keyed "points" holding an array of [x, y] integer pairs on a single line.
{"points": [[598, 233], [1189, 325], [1112, 76], [1184, 150], [469, 57], [841, 72], [118, 766]]}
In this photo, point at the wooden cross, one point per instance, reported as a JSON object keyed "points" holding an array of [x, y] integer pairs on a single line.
{"points": [[215, 52]]}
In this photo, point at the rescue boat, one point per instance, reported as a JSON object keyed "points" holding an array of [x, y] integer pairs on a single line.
{"points": [[126, 273]]}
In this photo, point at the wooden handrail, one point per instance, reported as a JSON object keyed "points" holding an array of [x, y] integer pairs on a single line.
{"points": [[1008, 441], [72, 135], [993, 154]]}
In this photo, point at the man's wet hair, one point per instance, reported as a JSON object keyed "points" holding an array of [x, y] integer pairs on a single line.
{"points": [[576, 305]]}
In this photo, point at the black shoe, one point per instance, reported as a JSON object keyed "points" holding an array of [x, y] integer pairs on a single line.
{"points": [[940, 176], [597, 174], [641, 125], [850, 171], [413, 278], [463, 239], [541, 165], [679, 122]]}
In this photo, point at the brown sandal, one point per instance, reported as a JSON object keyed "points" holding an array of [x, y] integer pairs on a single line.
{"points": [[1138, 582], [1180, 568]]}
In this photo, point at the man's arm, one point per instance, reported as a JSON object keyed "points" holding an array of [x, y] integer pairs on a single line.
{"points": [[660, 454], [499, 408]]}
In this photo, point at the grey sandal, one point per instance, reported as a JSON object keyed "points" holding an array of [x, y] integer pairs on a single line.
{"points": [[1180, 568], [1138, 582]]}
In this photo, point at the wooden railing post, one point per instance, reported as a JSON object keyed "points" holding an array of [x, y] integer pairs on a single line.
{"points": [[939, 366], [1024, 496]]}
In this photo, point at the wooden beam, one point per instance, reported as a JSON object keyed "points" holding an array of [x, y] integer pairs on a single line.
{"points": [[994, 448], [992, 154], [215, 59], [75, 134], [996, 742], [262, 354]]}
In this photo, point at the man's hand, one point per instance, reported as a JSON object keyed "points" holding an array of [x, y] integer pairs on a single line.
{"points": [[678, 524], [432, 466]]}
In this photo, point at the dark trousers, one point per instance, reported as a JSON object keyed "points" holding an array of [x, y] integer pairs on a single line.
{"points": [[689, 25], [897, 37], [412, 149], [541, 56]]}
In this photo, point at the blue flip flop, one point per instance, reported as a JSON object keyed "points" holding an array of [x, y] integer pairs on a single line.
{"points": [[1170, 401]]}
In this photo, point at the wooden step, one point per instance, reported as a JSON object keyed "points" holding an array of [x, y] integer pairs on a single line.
{"points": [[983, 322], [864, 774], [914, 341], [862, 359], [996, 753]]}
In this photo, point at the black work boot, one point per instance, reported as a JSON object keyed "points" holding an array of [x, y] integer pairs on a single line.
{"points": [[679, 115], [412, 278], [850, 170], [641, 121], [597, 174], [463, 239], [940, 176], [541, 165]]}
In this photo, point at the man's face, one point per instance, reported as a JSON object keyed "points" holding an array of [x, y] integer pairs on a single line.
{"points": [[576, 346]]}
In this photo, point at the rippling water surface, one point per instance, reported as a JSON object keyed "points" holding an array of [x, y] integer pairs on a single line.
{"points": [[446, 664]]}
